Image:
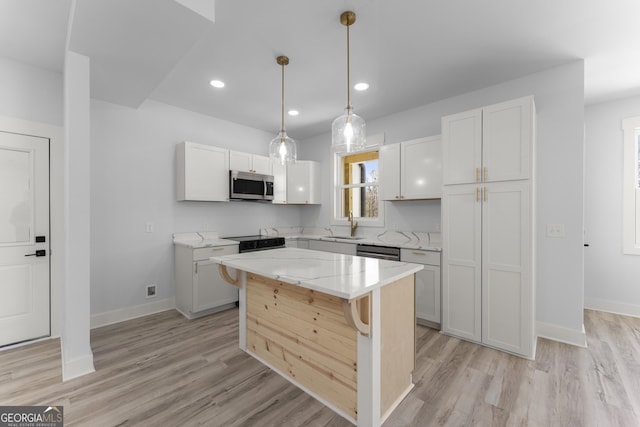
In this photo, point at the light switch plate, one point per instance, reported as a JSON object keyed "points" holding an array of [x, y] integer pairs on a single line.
{"points": [[555, 230]]}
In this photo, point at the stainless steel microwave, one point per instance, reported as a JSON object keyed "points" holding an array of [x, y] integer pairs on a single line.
{"points": [[250, 186]]}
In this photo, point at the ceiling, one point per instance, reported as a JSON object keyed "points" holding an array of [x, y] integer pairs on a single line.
{"points": [[411, 52]]}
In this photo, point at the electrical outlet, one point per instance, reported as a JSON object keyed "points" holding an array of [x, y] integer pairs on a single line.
{"points": [[149, 227], [555, 230], [437, 227], [151, 291]]}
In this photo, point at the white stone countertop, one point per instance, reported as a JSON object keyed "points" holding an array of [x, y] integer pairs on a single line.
{"points": [[201, 239], [344, 276]]}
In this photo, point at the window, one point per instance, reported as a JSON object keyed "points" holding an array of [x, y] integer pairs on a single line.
{"points": [[357, 187], [631, 187]]}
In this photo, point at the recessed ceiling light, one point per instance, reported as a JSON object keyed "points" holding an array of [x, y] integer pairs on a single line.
{"points": [[361, 86], [294, 112], [217, 83]]}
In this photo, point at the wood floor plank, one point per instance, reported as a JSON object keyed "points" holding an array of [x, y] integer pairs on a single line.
{"points": [[166, 370]]}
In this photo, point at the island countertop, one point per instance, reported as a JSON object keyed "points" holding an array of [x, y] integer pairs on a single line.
{"points": [[343, 276]]}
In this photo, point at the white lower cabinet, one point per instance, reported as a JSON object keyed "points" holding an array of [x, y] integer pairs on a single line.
{"points": [[335, 247], [427, 284], [200, 289], [487, 258]]}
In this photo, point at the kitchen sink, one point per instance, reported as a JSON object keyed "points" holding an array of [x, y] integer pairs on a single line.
{"points": [[344, 237]]}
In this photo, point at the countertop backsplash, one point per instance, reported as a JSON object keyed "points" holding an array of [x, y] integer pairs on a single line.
{"points": [[404, 239]]}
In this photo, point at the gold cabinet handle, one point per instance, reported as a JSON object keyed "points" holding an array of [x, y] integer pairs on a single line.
{"points": [[485, 173], [484, 194], [477, 194], [418, 253], [477, 174]]}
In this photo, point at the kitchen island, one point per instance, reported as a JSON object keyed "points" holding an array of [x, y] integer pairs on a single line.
{"points": [[340, 327]]}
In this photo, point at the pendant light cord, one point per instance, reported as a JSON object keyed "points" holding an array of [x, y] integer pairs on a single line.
{"points": [[348, 72], [282, 115]]}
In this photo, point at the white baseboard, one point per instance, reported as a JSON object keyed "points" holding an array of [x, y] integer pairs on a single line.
{"points": [[560, 334], [612, 307], [128, 313], [77, 367]]}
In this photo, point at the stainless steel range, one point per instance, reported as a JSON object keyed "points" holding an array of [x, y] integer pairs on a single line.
{"points": [[257, 243]]}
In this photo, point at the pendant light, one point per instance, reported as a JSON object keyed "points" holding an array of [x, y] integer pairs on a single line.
{"points": [[348, 132], [282, 148]]}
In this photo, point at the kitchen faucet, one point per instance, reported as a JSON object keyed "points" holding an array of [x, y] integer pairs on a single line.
{"points": [[354, 224]]}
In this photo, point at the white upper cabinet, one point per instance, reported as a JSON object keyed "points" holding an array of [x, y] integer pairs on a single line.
{"points": [[412, 169], [390, 172], [249, 163], [507, 132], [488, 144], [279, 183], [462, 147], [202, 172], [303, 182]]}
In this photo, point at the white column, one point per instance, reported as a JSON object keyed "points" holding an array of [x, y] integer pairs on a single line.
{"points": [[369, 369], [77, 357]]}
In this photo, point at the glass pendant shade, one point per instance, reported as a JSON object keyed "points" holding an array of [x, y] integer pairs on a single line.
{"points": [[348, 132], [282, 148]]}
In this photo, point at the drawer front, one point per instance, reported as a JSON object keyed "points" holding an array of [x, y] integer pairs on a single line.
{"points": [[335, 247], [202, 254], [419, 256]]}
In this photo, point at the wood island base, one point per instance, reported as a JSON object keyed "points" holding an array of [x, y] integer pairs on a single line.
{"points": [[356, 357]]}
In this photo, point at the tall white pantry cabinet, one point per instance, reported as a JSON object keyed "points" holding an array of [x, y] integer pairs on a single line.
{"points": [[488, 293]]}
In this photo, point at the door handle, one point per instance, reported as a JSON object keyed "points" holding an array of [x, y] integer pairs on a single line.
{"points": [[39, 252]]}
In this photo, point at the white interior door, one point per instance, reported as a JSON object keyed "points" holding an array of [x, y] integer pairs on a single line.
{"points": [[24, 238]]}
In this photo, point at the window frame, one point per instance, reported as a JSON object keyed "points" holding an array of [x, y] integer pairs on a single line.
{"points": [[631, 190], [373, 144]]}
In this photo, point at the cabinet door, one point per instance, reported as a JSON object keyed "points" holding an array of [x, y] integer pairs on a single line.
{"points": [[239, 161], [462, 147], [507, 133], [202, 172], [209, 288], [262, 164], [507, 292], [428, 294], [421, 168], [390, 172], [303, 182], [461, 261], [279, 183], [298, 182], [428, 283]]}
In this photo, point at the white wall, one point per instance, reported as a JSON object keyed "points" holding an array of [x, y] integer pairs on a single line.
{"points": [[560, 119], [611, 278], [30, 93], [133, 182]]}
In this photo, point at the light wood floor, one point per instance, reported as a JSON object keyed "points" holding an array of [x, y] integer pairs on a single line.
{"points": [[165, 370]]}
